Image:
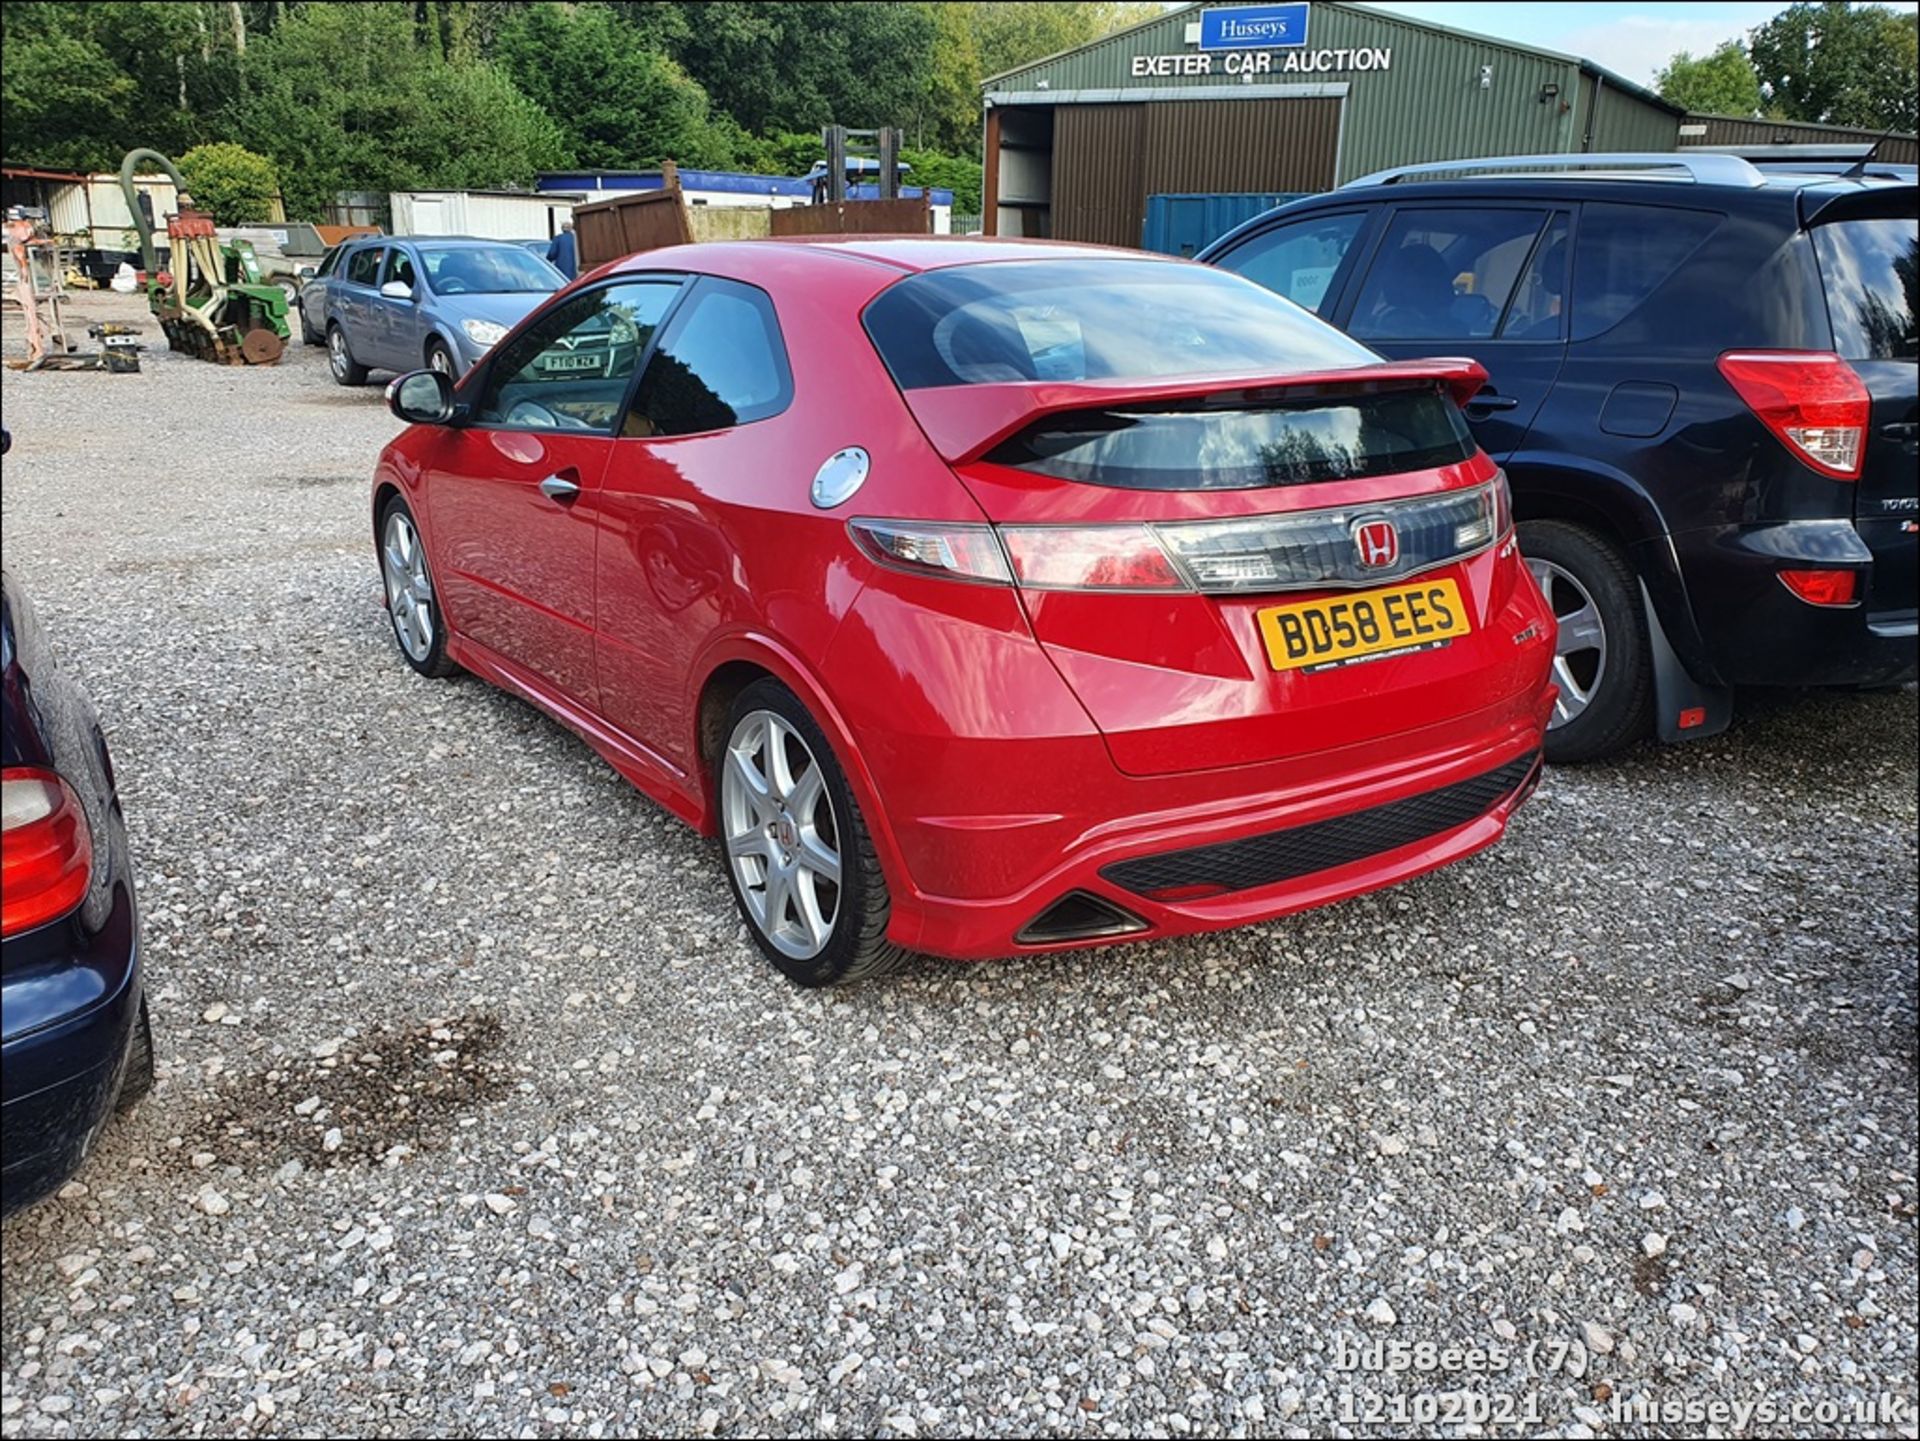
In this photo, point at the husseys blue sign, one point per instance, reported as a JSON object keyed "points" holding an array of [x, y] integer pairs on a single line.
{"points": [[1253, 27]]}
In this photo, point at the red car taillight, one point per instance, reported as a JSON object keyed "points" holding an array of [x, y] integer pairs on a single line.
{"points": [[1822, 587], [1292, 550], [46, 852], [1811, 399], [1095, 557], [925, 547]]}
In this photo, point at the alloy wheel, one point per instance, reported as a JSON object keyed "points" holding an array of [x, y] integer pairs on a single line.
{"points": [[438, 359], [337, 351], [1580, 652], [403, 561], [781, 834]]}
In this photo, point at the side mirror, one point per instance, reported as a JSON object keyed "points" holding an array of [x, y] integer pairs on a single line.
{"points": [[397, 290], [422, 397], [305, 272]]}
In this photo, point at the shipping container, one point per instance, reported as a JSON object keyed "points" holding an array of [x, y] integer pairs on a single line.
{"points": [[1186, 224], [486, 214]]}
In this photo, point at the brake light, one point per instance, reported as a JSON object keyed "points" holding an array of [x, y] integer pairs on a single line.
{"points": [[1101, 557], [921, 547], [1822, 587], [46, 852], [1811, 399]]}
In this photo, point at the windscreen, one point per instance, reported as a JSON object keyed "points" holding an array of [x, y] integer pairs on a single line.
{"points": [[488, 270], [1871, 269], [1073, 320], [1205, 447]]}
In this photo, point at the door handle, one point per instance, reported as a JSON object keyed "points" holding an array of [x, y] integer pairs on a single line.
{"points": [[1488, 402], [559, 488], [1900, 430]]}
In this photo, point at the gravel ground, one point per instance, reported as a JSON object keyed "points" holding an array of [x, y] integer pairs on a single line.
{"points": [[477, 1112]]}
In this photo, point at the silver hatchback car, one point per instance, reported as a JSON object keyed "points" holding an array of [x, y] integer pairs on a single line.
{"points": [[381, 303]]}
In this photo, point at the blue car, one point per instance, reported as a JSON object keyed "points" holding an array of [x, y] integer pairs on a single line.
{"points": [[76, 1038], [384, 304]]}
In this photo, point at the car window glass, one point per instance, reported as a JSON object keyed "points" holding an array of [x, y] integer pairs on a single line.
{"points": [[328, 263], [488, 270], [1297, 260], [364, 265], [571, 368], [1092, 319], [1539, 300], [1624, 253], [1872, 273], [401, 268], [1444, 274], [724, 365]]}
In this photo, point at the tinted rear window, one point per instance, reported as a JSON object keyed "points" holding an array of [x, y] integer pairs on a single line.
{"points": [[1200, 447], [1093, 320], [1623, 253], [1871, 269]]}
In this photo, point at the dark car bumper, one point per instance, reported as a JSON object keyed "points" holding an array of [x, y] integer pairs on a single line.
{"points": [[1754, 631], [71, 1000]]}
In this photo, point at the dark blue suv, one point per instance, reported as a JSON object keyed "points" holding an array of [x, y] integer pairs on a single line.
{"points": [[72, 994], [1703, 389]]}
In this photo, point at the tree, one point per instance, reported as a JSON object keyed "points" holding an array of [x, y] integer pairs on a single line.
{"points": [[1722, 83], [345, 97], [1010, 33], [619, 104], [230, 181], [963, 175], [1839, 64], [85, 83], [788, 66]]}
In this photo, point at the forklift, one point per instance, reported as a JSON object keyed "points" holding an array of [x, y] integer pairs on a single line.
{"points": [[213, 302]]}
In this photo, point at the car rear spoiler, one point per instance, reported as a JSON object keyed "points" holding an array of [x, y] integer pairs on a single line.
{"points": [[964, 422]]}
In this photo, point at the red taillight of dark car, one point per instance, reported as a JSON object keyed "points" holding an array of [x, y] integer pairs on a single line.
{"points": [[1823, 587], [1811, 399], [48, 850]]}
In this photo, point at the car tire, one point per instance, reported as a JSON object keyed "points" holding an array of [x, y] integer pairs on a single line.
{"points": [[136, 1078], [346, 370], [759, 825], [413, 605], [1603, 662], [440, 358]]}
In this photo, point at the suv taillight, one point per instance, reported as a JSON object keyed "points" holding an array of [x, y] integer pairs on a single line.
{"points": [[1811, 399], [46, 851]]}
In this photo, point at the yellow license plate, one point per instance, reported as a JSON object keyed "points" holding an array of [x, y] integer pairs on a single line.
{"points": [[1314, 634]]}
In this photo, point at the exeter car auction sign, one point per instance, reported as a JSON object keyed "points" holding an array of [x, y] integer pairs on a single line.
{"points": [[1257, 40]]}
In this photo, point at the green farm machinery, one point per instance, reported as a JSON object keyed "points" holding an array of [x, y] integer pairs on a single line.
{"points": [[213, 300]]}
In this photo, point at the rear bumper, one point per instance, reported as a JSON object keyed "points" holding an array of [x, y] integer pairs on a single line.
{"points": [[1756, 632], [61, 1072], [1140, 835]]}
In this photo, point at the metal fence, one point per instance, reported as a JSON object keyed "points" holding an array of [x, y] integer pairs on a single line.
{"points": [[965, 224]]}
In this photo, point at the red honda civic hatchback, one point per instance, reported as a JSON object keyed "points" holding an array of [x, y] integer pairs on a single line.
{"points": [[982, 597]]}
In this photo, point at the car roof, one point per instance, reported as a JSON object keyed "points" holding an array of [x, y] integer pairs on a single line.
{"points": [[1768, 189], [464, 242], [905, 253]]}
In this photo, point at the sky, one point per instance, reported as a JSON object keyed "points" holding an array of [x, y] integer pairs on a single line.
{"points": [[1633, 39]]}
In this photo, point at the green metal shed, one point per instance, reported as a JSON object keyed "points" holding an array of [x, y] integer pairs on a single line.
{"points": [[1280, 97]]}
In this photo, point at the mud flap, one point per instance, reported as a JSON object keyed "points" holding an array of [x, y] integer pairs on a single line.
{"points": [[1684, 709]]}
